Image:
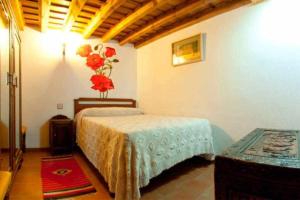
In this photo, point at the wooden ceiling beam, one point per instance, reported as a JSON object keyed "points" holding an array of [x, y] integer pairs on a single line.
{"points": [[101, 15], [74, 10], [81, 25], [30, 21], [60, 9], [57, 15], [45, 11], [157, 23], [140, 13], [86, 14], [209, 13], [61, 2], [90, 8], [17, 10], [30, 4], [30, 10], [96, 2], [31, 16], [83, 20], [56, 21]]}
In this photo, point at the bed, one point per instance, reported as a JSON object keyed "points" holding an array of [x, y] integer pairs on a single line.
{"points": [[129, 147]]}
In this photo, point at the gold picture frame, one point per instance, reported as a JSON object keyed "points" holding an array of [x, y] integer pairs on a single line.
{"points": [[189, 50]]}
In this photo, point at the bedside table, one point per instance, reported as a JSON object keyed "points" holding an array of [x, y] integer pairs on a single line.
{"points": [[61, 134]]}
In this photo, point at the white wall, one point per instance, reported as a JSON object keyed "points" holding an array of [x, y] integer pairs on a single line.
{"points": [[250, 78], [48, 79]]}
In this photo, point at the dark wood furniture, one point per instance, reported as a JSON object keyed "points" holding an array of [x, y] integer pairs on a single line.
{"points": [[61, 134], [11, 88], [23, 139], [82, 103], [263, 165]]}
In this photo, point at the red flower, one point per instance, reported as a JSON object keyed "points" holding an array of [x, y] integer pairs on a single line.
{"points": [[110, 52], [94, 61], [84, 50], [101, 83]]}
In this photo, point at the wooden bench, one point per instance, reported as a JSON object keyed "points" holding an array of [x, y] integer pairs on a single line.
{"points": [[5, 180], [265, 164]]}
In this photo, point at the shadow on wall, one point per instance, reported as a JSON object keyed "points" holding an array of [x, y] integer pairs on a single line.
{"points": [[222, 140], [44, 135]]}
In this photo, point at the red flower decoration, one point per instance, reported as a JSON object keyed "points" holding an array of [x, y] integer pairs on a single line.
{"points": [[84, 50], [110, 52], [101, 63], [101, 83], [94, 61]]}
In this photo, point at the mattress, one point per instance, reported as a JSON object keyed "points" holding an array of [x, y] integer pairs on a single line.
{"points": [[130, 150]]}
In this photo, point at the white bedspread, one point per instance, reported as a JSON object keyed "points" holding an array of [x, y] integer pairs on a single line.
{"points": [[130, 150]]}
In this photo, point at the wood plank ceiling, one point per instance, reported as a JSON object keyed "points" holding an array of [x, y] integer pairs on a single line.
{"points": [[128, 21]]}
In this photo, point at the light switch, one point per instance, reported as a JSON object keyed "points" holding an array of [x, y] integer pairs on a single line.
{"points": [[60, 106]]}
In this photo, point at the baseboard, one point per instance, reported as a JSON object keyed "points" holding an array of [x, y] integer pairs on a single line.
{"points": [[6, 150], [37, 149]]}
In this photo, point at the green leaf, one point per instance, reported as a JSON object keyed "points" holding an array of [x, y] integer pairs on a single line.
{"points": [[115, 60], [96, 47]]}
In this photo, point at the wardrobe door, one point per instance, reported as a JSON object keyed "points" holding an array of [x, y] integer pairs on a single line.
{"points": [[16, 87], [6, 160]]}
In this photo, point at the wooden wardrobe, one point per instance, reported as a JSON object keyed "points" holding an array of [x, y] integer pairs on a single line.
{"points": [[10, 90]]}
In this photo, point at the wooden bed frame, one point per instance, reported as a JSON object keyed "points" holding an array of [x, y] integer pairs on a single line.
{"points": [[82, 103]]}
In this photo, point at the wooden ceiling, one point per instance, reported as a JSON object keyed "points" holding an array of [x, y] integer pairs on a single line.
{"points": [[127, 21]]}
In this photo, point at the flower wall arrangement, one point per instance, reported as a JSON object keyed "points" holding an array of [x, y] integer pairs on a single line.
{"points": [[100, 60]]}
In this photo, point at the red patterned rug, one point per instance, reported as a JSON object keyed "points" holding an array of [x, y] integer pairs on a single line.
{"points": [[62, 177]]}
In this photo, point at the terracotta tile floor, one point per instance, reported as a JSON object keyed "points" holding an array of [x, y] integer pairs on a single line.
{"points": [[190, 180]]}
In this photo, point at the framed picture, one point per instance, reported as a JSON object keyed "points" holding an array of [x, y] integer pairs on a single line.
{"points": [[188, 50]]}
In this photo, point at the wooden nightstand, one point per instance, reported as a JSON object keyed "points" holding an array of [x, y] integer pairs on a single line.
{"points": [[23, 139], [61, 134]]}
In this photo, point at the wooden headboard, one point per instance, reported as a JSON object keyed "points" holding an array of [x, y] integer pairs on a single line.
{"points": [[82, 103]]}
